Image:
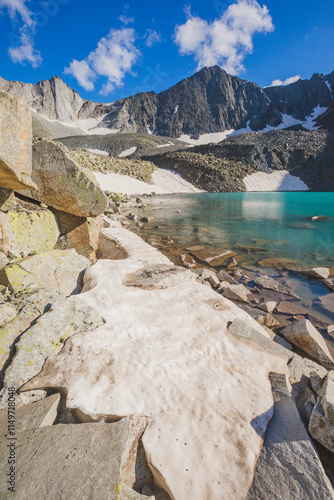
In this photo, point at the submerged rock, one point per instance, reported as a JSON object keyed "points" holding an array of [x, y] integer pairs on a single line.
{"points": [[272, 284]]}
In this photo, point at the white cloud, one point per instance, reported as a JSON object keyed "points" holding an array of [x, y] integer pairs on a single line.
{"points": [[292, 79], [16, 7], [151, 37], [227, 40], [26, 53], [126, 20], [113, 58]]}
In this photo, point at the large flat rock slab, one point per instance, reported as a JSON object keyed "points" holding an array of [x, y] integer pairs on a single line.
{"points": [[71, 462], [167, 354], [15, 143], [289, 467], [321, 424]]}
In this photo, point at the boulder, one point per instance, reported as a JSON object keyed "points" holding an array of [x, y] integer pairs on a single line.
{"points": [[32, 416], [63, 184], [300, 371], [165, 353], [44, 338], [26, 233], [15, 143], [214, 281], [303, 335], [237, 292], [268, 306], [321, 425], [289, 467], [224, 276], [80, 233], [7, 200], [72, 462], [60, 270], [272, 284], [158, 276], [29, 307], [326, 302], [261, 317], [288, 307], [214, 257]]}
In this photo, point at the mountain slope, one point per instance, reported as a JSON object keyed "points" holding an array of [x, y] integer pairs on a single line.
{"points": [[208, 102]]}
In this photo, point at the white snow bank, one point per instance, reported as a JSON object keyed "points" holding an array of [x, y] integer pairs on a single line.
{"points": [[164, 182], [127, 152], [276, 181], [207, 138], [98, 152]]}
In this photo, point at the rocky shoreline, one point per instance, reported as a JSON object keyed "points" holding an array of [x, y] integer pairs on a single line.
{"points": [[125, 376]]}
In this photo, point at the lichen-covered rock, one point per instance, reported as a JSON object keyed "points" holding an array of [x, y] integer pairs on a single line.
{"points": [[60, 270], [321, 424], [15, 143], [29, 306], [24, 233], [44, 338], [63, 184], [7, 313]]}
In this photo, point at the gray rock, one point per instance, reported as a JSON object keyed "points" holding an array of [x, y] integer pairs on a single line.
{"points": [[158, 276], [7, 313], [15, 143], [321, 425], [263, 318], [280, 340], [224, 276], [300, 370], [303, 334], [60, 270], [63, 184], [242, 329], [272, 284], [306, 404], [268, 306], [317, 272], [229, 262], [329, 283], [45, 338], [214, 280], [31, 416], [71, 462], [289, 467], [3, 260], [237, 292]]}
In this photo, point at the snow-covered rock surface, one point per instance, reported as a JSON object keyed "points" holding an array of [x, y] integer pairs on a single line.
{"points": [[280, 180], [164, 182], [166, 354]]}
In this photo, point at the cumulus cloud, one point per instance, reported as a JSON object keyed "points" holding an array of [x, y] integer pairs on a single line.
{"points": [[292, 79], [18, 7], [151, 37], [227, 40], [25, 52], [114, 56]]}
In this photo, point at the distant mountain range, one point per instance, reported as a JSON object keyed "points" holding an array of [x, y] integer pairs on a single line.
{"points": [[208, 102]]}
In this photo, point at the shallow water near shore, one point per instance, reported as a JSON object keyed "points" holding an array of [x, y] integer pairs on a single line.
{"points": [[276, 227]]}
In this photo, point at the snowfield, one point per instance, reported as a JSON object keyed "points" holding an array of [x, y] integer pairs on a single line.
{"points": [[276, 181]]}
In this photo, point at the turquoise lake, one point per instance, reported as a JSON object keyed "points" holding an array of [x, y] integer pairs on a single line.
{"points": [[279, 224]]}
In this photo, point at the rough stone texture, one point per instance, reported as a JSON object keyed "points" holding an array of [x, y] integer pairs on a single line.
{"points": [[321, 425], [237, 292], [317, 272], [289, 467], [23, 233], [158, 276], [7, 200], [80, 233], [71, 462], [287, 307], [262, 318], [44, 338], [209, 398], [303, 334], [267, 306], [63, 184], [32, 416], [7, 313], [224, 276], [300, 370], [29, 306], [272, 284], [15, 143], [3, 260], [60, 270]]}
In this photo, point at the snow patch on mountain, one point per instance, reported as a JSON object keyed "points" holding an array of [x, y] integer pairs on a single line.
{"points": [[127, 152], [207, 138], [276, 181]]}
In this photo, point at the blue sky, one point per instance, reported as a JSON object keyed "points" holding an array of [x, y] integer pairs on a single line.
{"points": [[108, 50]]}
